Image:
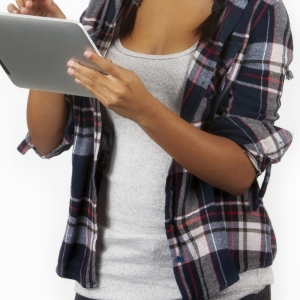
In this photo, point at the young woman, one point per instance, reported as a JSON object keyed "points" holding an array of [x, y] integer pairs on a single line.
{"points": [[166, 156]]}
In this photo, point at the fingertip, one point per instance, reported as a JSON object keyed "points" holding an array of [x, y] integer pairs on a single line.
{"points": [[28, 4], [23, 10], [12, 9], [88, 54]]}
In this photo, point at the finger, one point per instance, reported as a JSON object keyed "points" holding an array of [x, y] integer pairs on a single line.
{"points": [[96, 87], [13, 9], [77, 70], [23, 5], [32, 8], [87, 78], [20, 3], [24, 10], [100, 93], [104, 64], [28, 4]]}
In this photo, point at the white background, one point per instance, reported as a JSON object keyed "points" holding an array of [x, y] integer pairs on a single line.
{"points": [[35, 195]]}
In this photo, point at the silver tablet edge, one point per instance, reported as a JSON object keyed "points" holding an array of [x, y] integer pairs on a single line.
{"points": [[56, 20]]}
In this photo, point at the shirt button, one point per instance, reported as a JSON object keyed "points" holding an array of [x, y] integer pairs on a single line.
{"points": [[179, 259]]}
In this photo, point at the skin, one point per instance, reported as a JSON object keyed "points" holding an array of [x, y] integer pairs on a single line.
{"points": [[216, 160], [41, 8], [47, 113], [162, 29]]}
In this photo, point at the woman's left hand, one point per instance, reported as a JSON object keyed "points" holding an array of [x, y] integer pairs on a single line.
{"points": [[121, 90]]}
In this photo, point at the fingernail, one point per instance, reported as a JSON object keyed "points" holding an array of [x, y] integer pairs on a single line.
{"points": [[87, 54], [71, 64], [15, 12], [71, 71]]}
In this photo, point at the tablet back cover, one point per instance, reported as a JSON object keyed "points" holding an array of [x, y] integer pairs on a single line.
{"points": [[34, 52]]}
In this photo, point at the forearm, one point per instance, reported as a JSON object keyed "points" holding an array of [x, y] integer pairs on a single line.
{"points": [[215, 160], [47, 115]]}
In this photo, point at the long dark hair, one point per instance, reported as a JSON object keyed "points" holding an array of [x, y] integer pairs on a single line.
{"points": [[205, 30]]}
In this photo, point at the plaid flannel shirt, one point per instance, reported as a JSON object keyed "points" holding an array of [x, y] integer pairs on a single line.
{"points": [[233, 90]]}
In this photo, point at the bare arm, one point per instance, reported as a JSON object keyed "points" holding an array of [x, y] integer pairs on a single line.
{"points": [[214, 159], [47, 115]]}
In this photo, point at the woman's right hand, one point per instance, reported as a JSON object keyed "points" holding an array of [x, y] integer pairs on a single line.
{"points": [[41, 8]]}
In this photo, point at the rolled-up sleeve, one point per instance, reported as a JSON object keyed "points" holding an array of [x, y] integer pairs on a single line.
{"points": [[251, 108], [66, 143]]}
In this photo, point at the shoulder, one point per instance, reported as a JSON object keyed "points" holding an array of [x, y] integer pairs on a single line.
{"points": [[262, 15], [271, 16], [261, 6]]}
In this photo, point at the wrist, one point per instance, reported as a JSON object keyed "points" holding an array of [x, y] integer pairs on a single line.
{"points": [[150, 113]]}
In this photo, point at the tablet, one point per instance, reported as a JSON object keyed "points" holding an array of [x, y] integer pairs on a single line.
{"points": [[34, 52]]}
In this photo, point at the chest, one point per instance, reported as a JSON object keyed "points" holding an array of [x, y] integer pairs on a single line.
{"points": [[166, 26]]}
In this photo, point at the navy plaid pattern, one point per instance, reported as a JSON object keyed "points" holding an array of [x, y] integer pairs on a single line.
{"points": [[233, 90]]}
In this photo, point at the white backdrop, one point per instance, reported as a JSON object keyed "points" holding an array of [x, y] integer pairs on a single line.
{"points": [[35, 195]]}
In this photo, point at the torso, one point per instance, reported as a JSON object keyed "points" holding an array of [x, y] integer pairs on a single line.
{"points": [[166, 26]]}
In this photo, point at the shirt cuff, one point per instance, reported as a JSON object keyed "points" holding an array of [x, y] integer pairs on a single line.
{"points": [[66, 144]]}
